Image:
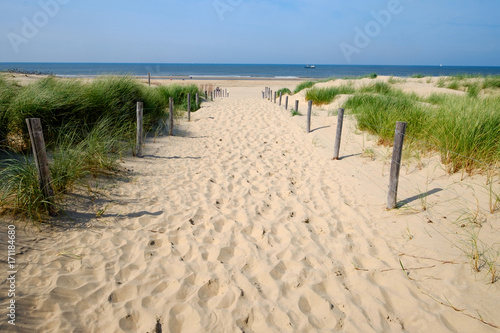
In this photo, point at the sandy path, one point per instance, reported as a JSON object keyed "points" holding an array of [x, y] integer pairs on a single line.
{"points": [[237, 224]]}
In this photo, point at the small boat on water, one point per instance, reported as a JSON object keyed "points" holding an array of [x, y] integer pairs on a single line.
{"points": [[310, 66]]}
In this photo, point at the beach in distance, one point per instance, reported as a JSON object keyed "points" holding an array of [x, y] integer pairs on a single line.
{"points": [[241, 221]]}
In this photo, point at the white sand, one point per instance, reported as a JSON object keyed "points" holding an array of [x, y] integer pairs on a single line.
{"points": [[241, 222]]}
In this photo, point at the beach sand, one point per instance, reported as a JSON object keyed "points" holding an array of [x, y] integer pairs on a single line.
{"points": [[242, 222]]}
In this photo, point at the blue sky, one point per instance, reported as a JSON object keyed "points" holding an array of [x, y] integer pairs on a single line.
{"points": [[380, 32]]}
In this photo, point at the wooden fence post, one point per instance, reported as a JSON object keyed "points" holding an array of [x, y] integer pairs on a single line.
{"points": [[275, 97], [280, 99], [340, 121], [206, 95], [309, 110], [396, 164], [149, 79], [171, 116], [138, 145], [297, 105], [263, 95], [41, 162], [212, 96], [286, 103], [189, 106]]}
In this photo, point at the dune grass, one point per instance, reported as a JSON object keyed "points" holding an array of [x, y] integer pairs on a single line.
{"points": [[321, 96], [284, 91], [465, 130], [304, 85], [8, 90], [87, 127]]}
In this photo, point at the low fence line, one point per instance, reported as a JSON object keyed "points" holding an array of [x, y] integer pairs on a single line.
{"points": [[400, 135]]}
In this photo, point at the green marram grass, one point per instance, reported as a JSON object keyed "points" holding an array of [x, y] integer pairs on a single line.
{"points": [[321, 96], [465, 130], [87, 128], [284, 91], [304, 85]]}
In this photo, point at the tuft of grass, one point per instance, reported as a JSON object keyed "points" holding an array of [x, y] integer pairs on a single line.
{"points": [[284, 91], [418, 76], [321, 96], [304, 85], [20, 190], [473, 89], [378, 88], [294, 112], [453, 85], [8, 90], [492, 81]]}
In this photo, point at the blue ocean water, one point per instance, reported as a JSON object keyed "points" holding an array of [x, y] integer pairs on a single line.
{"points": [[240, 70]]}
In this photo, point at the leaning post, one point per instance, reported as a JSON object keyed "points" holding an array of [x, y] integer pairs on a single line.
{"points": [[41, 162], [396, 164]]}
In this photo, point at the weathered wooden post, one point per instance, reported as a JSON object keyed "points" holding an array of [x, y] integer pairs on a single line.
{"points": [[286, 103], [275, 97], [149, 79], [171, 116], [225, 91], [138, 144], [189, 106], [340, 121], [263, 95], [41, 162], [396, 164], [297, 105], [270, 95], [280, 99], [212, 96], [206, 95], [309, 110]]}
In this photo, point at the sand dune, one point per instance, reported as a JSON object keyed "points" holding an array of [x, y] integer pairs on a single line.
{"points": [[241, 222]]}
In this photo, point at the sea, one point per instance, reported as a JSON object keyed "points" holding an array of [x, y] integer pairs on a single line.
{"points": [[247, 71]]}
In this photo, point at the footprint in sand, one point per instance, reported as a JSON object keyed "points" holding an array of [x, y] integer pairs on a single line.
{"points": [[226, 254], [187, 288], [320, 312], [278, 271], [184, 318], [209, 290]]}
